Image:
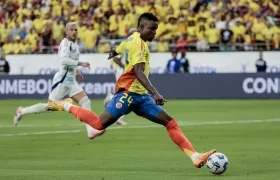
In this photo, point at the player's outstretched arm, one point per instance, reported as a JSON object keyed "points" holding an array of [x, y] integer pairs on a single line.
{"points": [[118, 62], [64, 55], [69, 62], [139, 73]]}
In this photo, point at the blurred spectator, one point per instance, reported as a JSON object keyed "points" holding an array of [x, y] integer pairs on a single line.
{"points": [[261, 63], [18, 46], [226, 39], [185, 63], [103, 46], [172, 45], [181, 24], [26, 23], [182, 43], [32, 38], [213, 35], [90, 38], [25, 47], [238, 29], [191, 25], [7, 47], [239, 43], [272, 36], [249, 39], [81, 45], [259, 28], [22, 34], [174, 64], [162, 46], [4, 32], [170, 28], [229, 20], [4, 64], [15, 31], [257, 21], [202, 44], [219, 22], [46, 39], [215, 5], [58, 30], [198, 5]]}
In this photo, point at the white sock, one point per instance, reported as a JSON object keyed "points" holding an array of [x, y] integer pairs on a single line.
{"points": [[85, 103], [67, 106], [195, 156], [36, 108]]}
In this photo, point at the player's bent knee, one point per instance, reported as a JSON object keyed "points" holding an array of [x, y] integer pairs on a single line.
{"points": [[85, 103], [164, 118]]}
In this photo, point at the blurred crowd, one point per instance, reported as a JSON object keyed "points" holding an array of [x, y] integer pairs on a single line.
{"points": [[37, 26]]}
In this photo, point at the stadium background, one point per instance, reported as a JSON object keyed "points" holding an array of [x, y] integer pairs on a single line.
{"points": [[54, 145], [37, 26]]}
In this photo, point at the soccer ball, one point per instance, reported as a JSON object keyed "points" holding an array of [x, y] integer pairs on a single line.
{"points": [[217, 163]]}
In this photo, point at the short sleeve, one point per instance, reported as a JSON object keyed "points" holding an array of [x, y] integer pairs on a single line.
{"points": [[137, 52], [120, 48]]}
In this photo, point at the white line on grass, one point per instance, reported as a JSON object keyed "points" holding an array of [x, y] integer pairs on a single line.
{"points": [[22, 125], [145, 123], [150, 126]]}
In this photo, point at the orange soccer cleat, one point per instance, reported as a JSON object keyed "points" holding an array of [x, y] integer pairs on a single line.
{"points": [[18, 116], [203, 158]]}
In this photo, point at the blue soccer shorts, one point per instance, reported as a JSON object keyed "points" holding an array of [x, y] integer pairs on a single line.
{"points": [[143, 105]]}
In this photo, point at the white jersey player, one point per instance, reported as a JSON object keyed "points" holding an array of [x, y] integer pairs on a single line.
{"points": [[117, 63], [64, 81]]}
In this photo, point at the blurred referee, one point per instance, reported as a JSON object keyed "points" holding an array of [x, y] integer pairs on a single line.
{"points": [[261, 63], [4, 65]]}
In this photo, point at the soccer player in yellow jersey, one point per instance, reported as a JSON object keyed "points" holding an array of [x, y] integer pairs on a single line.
{"points": [[134, 92], [118, 65]]}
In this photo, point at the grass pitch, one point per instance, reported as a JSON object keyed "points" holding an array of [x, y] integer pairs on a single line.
{"points": [[54, 146]]}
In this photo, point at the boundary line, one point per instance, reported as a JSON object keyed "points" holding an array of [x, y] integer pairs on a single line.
{"points": [[149, 126]]}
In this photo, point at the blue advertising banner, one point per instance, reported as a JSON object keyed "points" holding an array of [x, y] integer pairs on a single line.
{"points": [[171, 86]]}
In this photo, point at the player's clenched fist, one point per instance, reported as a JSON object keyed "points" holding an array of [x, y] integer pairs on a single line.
{"points": [[112, 54], [158, 99]]}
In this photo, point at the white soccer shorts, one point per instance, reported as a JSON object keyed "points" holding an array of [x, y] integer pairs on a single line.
{"points": [[63, 89]]}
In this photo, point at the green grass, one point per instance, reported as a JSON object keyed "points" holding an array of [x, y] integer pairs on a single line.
{"points": [[132, 153]]}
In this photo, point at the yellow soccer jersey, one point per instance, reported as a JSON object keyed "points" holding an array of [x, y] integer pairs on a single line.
{"points": [[135, 51]]}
